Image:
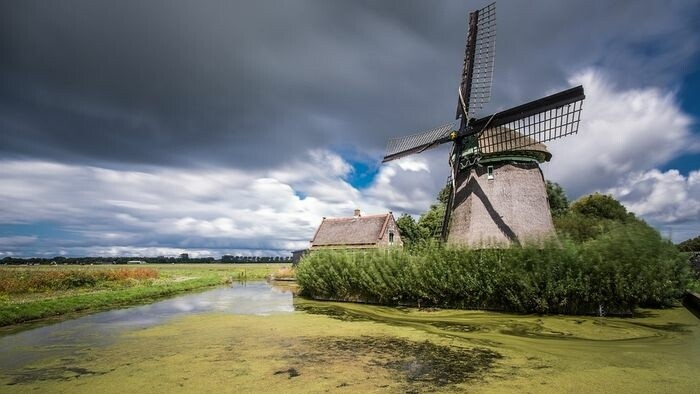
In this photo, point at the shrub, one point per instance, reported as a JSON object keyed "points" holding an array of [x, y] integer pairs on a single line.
{"points": [[601, 206], [628, 266], [690, 245], [578, 227]]}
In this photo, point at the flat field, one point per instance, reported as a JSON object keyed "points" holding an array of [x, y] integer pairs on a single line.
{"points": [[36, 292]]}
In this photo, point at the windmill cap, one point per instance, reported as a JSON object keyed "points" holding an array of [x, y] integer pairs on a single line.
{"points": [[501, 141]]}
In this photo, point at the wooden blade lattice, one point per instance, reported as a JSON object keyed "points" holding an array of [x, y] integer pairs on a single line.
{"points": [[479, 56], [416, 143], [533, 129]]}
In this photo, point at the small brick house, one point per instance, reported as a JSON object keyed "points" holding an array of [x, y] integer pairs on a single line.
{"points": [[357, 232]]}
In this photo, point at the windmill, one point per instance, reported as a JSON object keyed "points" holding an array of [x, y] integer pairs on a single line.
{"points": [[498, 195]]}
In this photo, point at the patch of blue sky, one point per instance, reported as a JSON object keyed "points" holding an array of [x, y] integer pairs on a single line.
{"points": [[690, 103], [362, 174], [690, 94], [684, 164], [364, 166]]}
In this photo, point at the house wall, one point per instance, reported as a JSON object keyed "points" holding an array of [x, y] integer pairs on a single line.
{"points": [[512, 206], [297, 255], [391, 227], [358, 246]]}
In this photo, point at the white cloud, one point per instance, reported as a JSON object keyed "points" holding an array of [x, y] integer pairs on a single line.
{"points": [[624, 135], [412, 163], [410, 185], [169, 211], [621, 131], [661, 197]]}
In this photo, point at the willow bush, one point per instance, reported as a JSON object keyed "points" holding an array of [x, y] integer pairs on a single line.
{"points": [[628, 266]]}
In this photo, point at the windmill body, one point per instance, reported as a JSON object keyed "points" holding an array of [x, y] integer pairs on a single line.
{"points": [[498, 194], [501, 200]]}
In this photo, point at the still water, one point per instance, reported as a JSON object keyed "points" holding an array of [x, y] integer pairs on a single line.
{"points": [[259, 338], [100, 329]]}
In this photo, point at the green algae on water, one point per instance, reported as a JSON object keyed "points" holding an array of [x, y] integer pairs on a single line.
{"points": [[424, 363], [336, 347]]}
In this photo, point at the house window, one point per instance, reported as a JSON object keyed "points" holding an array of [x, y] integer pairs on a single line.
{"points": [[391, 238], [489, 172]]}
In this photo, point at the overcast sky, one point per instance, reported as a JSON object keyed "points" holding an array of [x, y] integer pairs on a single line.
{"points": [[223, 127]]}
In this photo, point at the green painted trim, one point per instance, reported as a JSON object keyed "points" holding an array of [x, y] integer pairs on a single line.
{"points": [[509, 158], [495, 158]]}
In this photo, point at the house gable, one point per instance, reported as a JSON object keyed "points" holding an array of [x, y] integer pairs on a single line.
{"points": [[356, 232]]}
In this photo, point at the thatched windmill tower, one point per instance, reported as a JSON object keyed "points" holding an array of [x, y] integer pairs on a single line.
{"points": [[498, 192], [503, 198]]}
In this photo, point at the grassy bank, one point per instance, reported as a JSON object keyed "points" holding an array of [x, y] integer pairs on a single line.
{"points": [[28, 293], [627, 267]]}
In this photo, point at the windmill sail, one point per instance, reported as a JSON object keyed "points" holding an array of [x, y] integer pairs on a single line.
{"points": [[536, 122], [403, 146], [477, 70], [448, 208]]}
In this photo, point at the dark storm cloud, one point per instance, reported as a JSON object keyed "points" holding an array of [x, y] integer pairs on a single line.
{"points": [[249, 84]]}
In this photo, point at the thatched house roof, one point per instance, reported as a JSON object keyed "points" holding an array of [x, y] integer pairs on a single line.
{"points": [[502, 141], [357, 231]]}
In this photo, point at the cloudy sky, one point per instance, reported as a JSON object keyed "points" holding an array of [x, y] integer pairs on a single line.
{"points": [[232, 127]]}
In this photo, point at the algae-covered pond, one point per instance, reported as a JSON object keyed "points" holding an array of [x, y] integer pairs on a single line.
{"points": [[259, 338]]}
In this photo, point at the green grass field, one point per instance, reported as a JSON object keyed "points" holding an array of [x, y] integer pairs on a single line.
{"points": [[35, 292]]}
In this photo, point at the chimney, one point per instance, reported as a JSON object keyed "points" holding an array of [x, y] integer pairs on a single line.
{"points": [[357, 212]]}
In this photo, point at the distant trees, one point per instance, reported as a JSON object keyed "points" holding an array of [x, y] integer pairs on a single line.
{"points": [[601, 206], [690, 245], [408, 227], [151, 260], [593, 215], [429, 224], [558, 202]]}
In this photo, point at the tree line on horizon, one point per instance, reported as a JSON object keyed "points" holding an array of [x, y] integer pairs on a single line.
{"points": [[183, 258]]}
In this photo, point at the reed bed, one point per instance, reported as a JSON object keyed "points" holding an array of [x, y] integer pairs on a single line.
{"points": [[627, 267], [18, 280]]}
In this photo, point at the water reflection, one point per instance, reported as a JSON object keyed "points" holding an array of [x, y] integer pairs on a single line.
{"points": [[70, 337]]}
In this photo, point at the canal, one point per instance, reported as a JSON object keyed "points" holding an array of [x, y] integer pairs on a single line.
{"points": [[259, 337]]}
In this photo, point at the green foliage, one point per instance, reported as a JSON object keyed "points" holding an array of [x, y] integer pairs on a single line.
{"points": [[578, 227], [639, 266], [558, 202], [628, 266], [601, 206], [606, 257], [690, 245], [410, 232], [591, 216], [443, 196], [430, 223]]}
